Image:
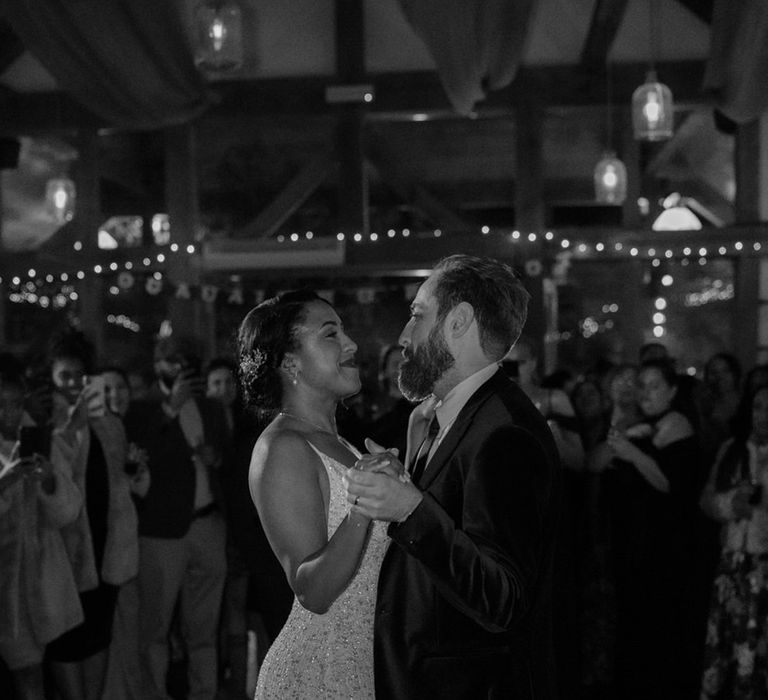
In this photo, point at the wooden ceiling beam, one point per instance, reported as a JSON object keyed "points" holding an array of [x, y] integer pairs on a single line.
{"points": [[396, 94], [415, 194], [295, 193], [606, 20], [11, 47], [700, 8]]}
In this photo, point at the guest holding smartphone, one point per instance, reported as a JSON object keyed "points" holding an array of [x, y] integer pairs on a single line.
{"points": [[102, 543], [38, 594], [124, 671]]}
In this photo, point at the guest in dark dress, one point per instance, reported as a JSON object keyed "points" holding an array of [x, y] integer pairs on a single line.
{"points": [[720, 396], [257, 596], [268, 597], [652, 490]]}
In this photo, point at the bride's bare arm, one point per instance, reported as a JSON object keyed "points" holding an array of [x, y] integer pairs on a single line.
{"points": [[285, 483]]}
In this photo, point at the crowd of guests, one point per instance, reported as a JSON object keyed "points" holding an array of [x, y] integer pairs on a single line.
{"points": [[665, 531], [134, 564]]}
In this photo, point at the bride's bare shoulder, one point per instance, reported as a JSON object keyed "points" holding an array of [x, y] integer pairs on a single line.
{"points": [[281, 452]]}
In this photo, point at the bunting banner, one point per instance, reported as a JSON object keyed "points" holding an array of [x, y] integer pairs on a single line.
{"points": [[235, 293]]}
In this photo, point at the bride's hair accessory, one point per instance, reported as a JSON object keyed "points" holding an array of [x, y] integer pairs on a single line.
{"points": [[252, 363]]}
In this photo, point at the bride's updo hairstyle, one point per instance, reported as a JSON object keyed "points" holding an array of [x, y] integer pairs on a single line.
{"points": [[266, 334]]}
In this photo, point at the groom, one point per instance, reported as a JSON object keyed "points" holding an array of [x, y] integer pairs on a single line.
{"points": [[463, 604]]}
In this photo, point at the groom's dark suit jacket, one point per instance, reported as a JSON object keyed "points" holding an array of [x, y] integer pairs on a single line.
{"points": [[463, 606]]}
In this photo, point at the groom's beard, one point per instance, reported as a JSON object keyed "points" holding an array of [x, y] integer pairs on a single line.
{"points": [[422, 368]]}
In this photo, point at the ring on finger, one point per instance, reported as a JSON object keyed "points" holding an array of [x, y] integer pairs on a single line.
{"points": [[357, 498]]}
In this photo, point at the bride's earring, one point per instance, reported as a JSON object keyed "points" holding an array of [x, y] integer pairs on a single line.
{"points": [[292, 372]]}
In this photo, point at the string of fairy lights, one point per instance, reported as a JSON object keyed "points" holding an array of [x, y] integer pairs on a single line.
{"points": [[56, 290]]}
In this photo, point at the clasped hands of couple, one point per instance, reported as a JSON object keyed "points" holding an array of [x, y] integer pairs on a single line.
{"points": [[378, 485]]}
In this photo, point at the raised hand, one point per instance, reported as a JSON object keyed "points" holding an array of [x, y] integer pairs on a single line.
{"points": [[186, 385]]}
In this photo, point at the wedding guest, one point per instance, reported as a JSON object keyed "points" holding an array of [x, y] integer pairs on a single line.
{"points": [[592, 412], [123, 668], [38, 595], [102, 543], [257, 597], [598, 575], [117, 390], [181, 522], [736, 495], [719, 401], [756, 377], [652, 494], [554, 404]]}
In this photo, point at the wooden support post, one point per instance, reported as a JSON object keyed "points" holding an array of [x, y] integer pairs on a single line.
{"points": [[350, 68], [89, 217], [3, 284], [746, 273], [762, 317], [181, 192], [353, 178], [751, 164], [630, 155], [3, 314], [530, 218]]}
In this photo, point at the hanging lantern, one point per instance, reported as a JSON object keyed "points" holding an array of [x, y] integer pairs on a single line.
{"points": [[60, 199], [652, 110], [610, 180], [219, 35]]}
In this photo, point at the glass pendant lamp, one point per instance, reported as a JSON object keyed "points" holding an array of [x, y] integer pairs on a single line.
{"points": [[652, 110], [610, 174], [610, 180], [218, 35], [60, 196], [652, 106]]}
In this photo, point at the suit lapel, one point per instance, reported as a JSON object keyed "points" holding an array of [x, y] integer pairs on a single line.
{"points": [[456, 432]]}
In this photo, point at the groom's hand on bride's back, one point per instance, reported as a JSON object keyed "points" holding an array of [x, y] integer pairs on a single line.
{"points": [[378, 485]]}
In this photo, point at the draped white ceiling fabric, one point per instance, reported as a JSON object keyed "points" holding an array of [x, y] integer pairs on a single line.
{"points": [[737, 70], [127, 61], [477, 44]]}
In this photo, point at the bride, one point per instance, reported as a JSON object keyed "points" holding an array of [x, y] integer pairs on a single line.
{"points": [[296, 364]]}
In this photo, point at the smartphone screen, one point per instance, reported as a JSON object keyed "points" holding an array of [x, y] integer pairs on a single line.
{"points": [[33, 440], [97, 405]]}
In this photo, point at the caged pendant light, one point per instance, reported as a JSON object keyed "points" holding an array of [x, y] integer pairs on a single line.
{"points": [[610, 174], [610, 180], [60, 196], [218, 35], [652, 106]]}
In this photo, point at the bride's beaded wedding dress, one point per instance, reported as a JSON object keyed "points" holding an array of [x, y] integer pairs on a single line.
{"points": [[329, 655]]}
